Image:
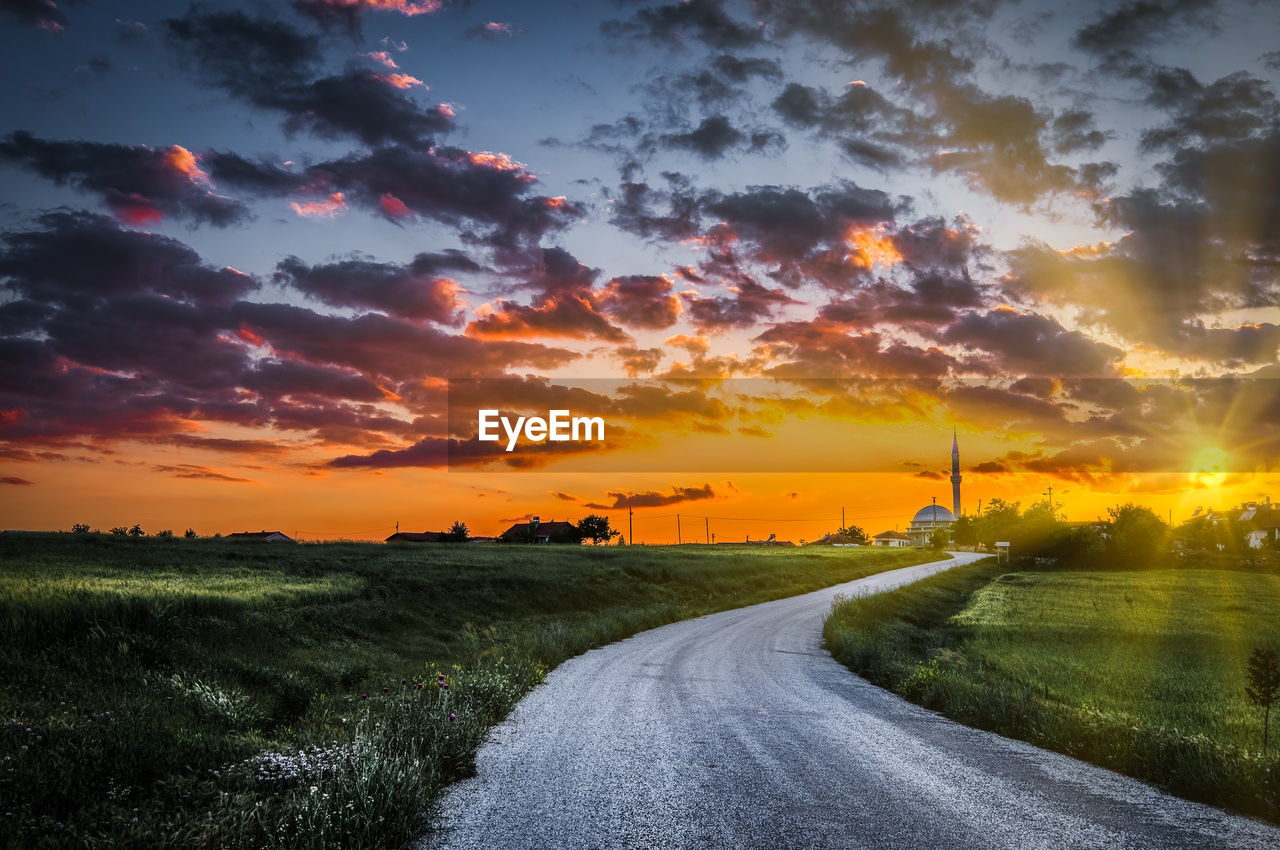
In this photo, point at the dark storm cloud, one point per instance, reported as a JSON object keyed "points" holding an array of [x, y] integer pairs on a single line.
{"points": [[939, 116], [413, 291], [653, 498], [635, 210], [703, 20], [641, 301], [117, 334], [80, 258], [719, 81], [257, 176], [1031, 344], [273, 66], [138, 183], [44, 14], [868, 127], [710, 139], [565, 305], [452, 186], [748, 304], [822, 349], [786, 223], [383, 345], [436, 452], [1119, 36], [932, 301]]}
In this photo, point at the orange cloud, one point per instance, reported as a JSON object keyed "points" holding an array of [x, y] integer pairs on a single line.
{"points": [[400, 81], [183, 161], [383, 58], [499, 162], [871, 247], [393, 206], [404, 7], [135, 210], [328, 208]]}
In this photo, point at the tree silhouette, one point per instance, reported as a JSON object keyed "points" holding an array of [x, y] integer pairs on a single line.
{"points": [[1264, 686], [595, 528]]}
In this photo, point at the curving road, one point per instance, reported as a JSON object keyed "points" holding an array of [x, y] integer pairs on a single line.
{"points": [[738, 730]]}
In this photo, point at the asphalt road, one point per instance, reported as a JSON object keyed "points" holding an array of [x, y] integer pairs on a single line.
{"points": [[738, 730]]}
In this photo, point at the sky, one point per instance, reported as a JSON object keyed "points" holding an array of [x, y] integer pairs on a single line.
{"points": [[261, 264]]}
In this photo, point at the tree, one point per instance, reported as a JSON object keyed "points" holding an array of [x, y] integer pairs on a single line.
{"points": [[190, 534], [940, 538], [1264, 686], [137, 531], [457, 532], [165, 533], [997, 522], [1137, 535], [855, 534], [80, 528], [595, 527], [119, 531], [965, 531]]}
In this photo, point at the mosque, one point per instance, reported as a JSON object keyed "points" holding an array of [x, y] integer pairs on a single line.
{"points": [[934, 517]]}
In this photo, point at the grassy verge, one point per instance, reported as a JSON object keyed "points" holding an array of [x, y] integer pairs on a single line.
{"points": [[212, 693], [1142, 672]]}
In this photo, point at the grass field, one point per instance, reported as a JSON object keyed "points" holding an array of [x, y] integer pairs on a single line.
{"points": [[206, 693], [1140, 671]]}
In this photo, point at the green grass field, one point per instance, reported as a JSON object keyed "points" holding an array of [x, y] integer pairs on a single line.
{"points": [[206, 693], [1140, 671]]}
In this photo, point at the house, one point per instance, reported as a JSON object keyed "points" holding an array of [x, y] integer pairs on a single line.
{"points": [[265, 536], [1262, 528], [833, 539], [892, 538], [418, 537], [536, 531]]}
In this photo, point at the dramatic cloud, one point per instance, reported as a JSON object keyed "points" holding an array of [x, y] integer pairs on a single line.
{"points": [[565, 306], [139, 184], [704, 20], [453, 186], [1030, 344], [641, 301], [414, 291], [654, 499], [747, 305], [272, 65], [44, 14]]}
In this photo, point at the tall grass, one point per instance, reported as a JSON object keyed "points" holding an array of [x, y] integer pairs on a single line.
{"points": [[203, 693], [1142, 672]]}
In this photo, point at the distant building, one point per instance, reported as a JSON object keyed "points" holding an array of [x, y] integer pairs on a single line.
{"points": [[934, 518], [418, 537], [266, 536], [891, 538], [927, 521], [537, 531]]}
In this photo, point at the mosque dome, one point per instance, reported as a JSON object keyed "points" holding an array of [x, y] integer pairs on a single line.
{"points": [[932, 513]]}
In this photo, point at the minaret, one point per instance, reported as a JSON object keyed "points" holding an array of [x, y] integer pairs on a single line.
{"points": [[955, 474]]}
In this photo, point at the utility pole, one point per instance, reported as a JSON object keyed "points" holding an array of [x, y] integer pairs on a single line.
{"points": [[708, 522], [677, 529], [1050, 495]]}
